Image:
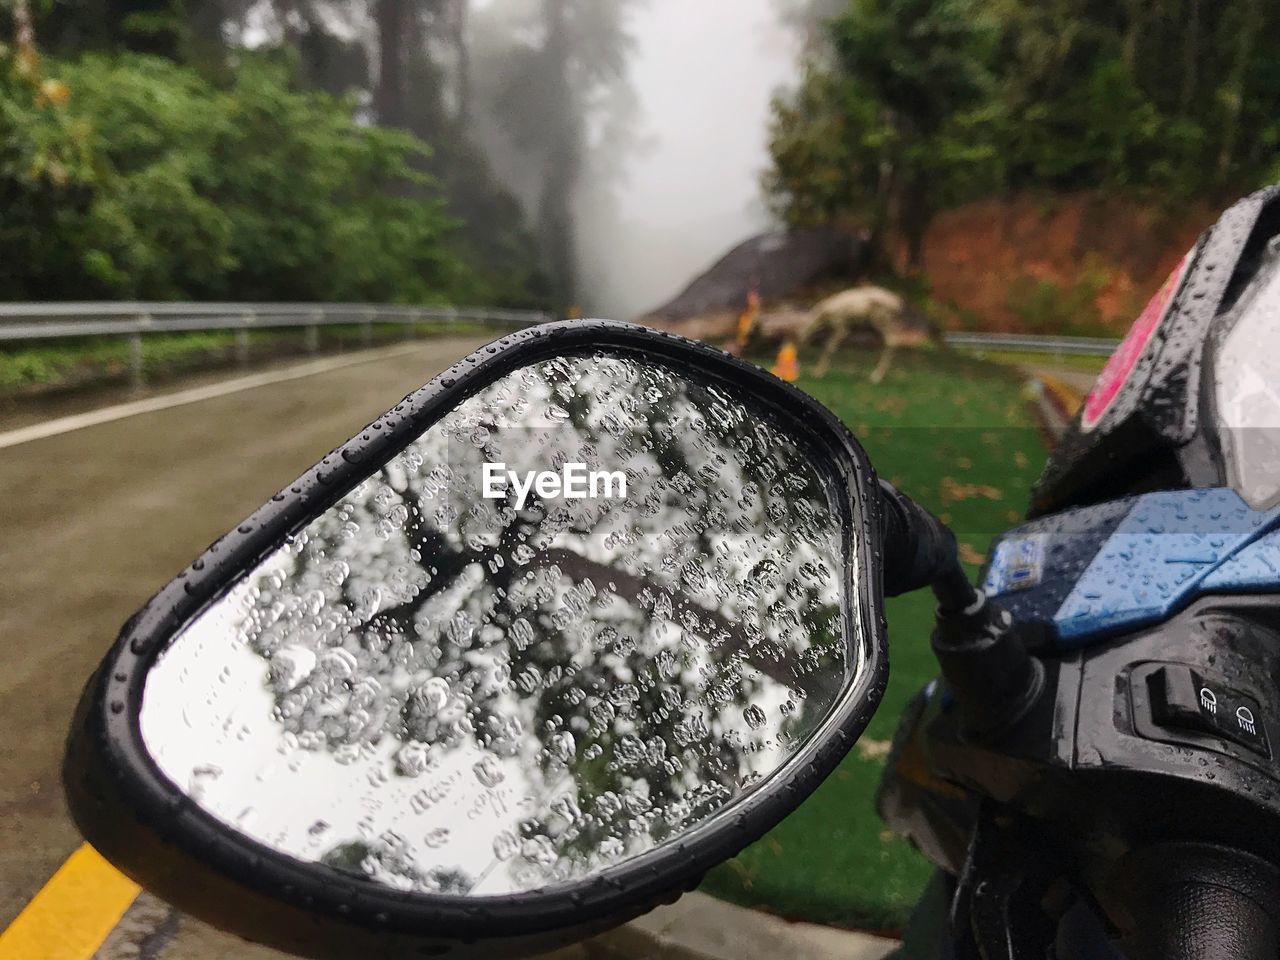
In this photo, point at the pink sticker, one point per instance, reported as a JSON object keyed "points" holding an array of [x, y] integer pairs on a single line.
{"points": [[1125, 358]]}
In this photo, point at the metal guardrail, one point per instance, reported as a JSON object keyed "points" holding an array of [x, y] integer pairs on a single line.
{"points": [[1029, 343], [55, 321], [134, 320]]}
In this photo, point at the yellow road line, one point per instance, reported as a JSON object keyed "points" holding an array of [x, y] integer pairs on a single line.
{"points": [[72, 914]]}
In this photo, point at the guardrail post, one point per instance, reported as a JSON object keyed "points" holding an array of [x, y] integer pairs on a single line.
{"points": [[242, 342], [412, 325], [137, 378], [313, 333], [366, 331]]}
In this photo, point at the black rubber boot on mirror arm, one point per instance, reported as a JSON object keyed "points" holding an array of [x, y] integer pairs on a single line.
{"points": [[920, 551]]}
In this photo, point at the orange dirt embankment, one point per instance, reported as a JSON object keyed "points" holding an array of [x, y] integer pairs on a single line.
{"points": [[1022, 263]]}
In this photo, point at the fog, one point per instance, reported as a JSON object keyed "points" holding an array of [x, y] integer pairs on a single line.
{"points": [[704, 73], [632, 133]]}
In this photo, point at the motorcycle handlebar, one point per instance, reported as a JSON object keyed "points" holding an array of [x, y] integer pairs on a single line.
{"points": [[1192, 901]]}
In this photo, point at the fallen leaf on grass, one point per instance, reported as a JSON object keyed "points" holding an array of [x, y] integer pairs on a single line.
{"points": [[952, 490], [969, 555], [873, 749]]}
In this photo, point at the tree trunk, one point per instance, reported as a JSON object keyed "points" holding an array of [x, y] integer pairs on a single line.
{"points": [[560, 175], [24, 31], [886, 189], [1190, 58], [914, 215], [463, 52], [556, 224], [1133, 30], [1249, 26], [389, 98]]}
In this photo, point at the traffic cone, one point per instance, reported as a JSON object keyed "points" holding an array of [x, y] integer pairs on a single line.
{"points": [[787, 366]]}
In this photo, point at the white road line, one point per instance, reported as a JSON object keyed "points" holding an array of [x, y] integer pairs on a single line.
{"points": [[52, 428]]}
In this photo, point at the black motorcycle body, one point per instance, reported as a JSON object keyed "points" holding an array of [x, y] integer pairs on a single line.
{"points": [[1135, 810]]}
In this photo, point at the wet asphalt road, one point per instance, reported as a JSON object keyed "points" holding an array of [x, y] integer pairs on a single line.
{"points": [[92, 522]]}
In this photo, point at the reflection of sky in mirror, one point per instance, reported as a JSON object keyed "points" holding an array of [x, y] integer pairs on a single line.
{"points": [[446, 693]]}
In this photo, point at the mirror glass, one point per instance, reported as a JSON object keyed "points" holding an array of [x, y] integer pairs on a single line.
{"points": [[595, 604]]}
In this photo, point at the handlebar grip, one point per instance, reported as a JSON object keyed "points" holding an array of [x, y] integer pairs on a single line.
{"points": [[1192, 901]]}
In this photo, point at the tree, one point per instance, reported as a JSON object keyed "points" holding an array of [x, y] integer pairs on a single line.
{"points": [[134, 177], [404, 64], [951, 100], [556, 80], [899, 102]]}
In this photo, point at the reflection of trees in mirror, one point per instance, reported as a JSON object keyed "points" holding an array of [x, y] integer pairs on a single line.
{"points": [[494, 699]]}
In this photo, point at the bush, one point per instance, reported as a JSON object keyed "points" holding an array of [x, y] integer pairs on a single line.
{"points": [[1045, 307], [135, 177]]}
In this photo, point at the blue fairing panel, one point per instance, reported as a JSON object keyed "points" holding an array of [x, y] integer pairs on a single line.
{"points": [[1254, 569], [1090, 573]]}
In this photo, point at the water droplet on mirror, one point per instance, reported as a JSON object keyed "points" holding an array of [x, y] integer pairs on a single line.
{"points": [[505, 845], [290, 666], [434, 694], [561, 747], [488, 771], [521, 633], [607, 806], [413, 759], [539, 850]]}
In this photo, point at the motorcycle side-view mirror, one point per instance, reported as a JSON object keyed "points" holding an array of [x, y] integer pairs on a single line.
{"points": [[563, 629]]}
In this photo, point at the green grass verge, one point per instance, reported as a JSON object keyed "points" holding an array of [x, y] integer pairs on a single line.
{"points": [[67, 363], [956, 434]]}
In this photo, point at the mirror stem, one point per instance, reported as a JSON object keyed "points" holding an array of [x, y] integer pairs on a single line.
{"points": [[994, 679], [920, 551]]}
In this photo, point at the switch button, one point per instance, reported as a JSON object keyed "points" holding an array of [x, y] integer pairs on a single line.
{"points": [[1182, 699]]}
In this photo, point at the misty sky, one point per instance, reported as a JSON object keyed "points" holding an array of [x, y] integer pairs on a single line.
{"points": [[704, 71]]}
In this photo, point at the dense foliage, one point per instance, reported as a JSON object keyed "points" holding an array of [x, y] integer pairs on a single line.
{"points": [[519, 102], [135, 177], [910, 105]]}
